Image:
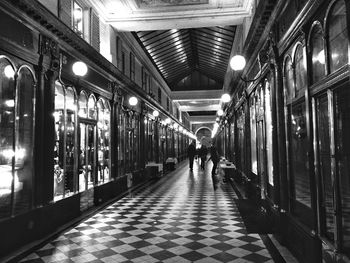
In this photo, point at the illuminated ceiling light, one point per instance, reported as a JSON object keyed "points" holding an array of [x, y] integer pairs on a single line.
{"points": [[79, 68], [225, 98], [9, 72], [10, 103], [155, 113], [220, 112], [167, 120], [181, 129], [133, 101], [237, 62], [176, 125]]}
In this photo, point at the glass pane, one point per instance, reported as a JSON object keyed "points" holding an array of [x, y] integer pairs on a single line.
{"points": [[82, 158], [298, 162], [318, 54], [59, 142], [92, 113], [121, 141], [325, 168], [342, 118], [24, 142], [253, 137], [136, 148], [71, 111], [83, 105], [268, 121], [289, 83], [338, 37], [241, 148], [90, 169], [78, 18], [100, 142], [106, 136], [300, 71], [7, 103]]}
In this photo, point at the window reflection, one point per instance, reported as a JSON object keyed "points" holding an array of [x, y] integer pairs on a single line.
{"points": [[338, 36], [300, 71], [342, 105], [7, 104], [318, 54], [24, 141], [64, 144], [254, 161], [289, 80], [301, 194], [77, 18]]}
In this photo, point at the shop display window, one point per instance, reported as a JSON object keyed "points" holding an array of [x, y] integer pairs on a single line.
{"points": [[103, 142], [65, 141], [254, 161], [317, 53], [299, 168], [268, 132], [16, 139], [324, 156], [7, 118], [342, 146], [337, 36], [300, 71], [288, 80]]}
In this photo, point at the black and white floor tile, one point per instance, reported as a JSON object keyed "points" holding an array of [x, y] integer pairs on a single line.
{"points": [[181, 218]]}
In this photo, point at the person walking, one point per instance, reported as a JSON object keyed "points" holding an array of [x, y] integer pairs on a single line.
{"points": [[214, 157], [203, 151], [191, 152]]}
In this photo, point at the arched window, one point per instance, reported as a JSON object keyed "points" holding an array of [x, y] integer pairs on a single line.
{"points": [[337, 36], [92, 114], [64, 145], [288, 80], [83, 107], [103, 142], [300, 70], [24, 140], [7, 111], [317, 53]]}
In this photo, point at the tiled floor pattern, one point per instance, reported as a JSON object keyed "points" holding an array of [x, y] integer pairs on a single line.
{"points": [[181, 218]]}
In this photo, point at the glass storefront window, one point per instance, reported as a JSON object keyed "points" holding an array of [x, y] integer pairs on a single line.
{"points": [[288, 80], [103, 131], [7, 113], [83, 107], [269, 128], [254, 161], [317, 53], [92, 113], [300, 71], [342, 146], [87, 142], [24, 141], [136, 136], [324, 154], [121, 142], [64, 145], [59, 141], [300, 192], [337, 36]]}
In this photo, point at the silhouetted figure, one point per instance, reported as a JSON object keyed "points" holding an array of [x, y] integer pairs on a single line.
{"points": [[203, 151], [214, 157], [191, 152]]}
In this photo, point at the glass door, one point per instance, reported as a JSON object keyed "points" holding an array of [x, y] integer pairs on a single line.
{"points": [[87, 164]]}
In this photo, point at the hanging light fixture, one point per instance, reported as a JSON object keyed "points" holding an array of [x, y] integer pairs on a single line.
{"points": [[225, 98], [133, 101], [79, 68]]}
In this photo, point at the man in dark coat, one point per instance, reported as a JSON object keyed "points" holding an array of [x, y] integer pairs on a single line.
{"points": [[214, 157], [203, 151], [191, 152]]}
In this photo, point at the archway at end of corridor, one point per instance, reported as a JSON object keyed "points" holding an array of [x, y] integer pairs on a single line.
{"points": [[203, 135]]}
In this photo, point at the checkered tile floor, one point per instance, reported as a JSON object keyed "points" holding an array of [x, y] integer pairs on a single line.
{"points": [[181, 218]]}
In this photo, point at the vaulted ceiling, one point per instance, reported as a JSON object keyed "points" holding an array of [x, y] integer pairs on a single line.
{"points": [[188, 41]]}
